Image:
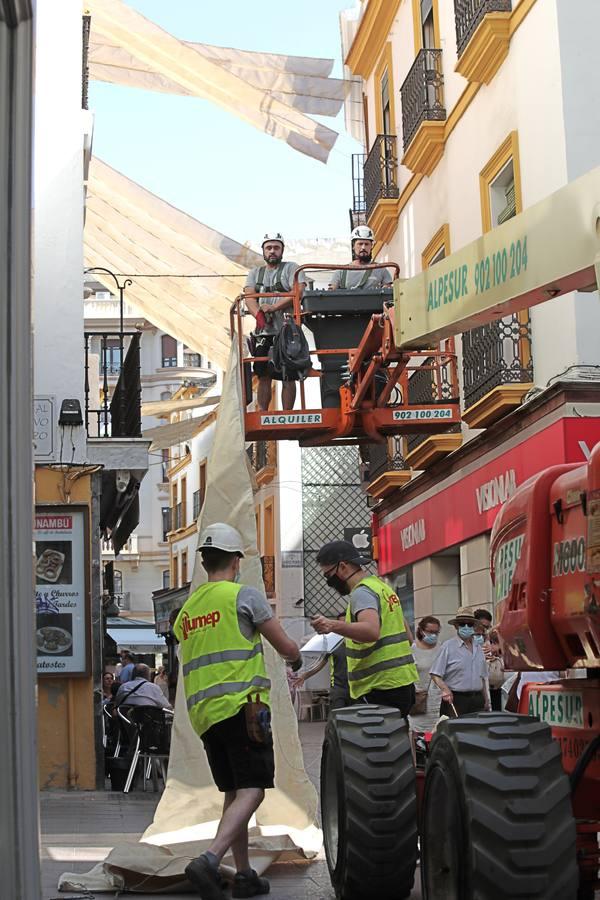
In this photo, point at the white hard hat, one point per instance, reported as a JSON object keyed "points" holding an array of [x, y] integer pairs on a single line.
{"points": [[221, 537], [362, 233], [273, 236]]}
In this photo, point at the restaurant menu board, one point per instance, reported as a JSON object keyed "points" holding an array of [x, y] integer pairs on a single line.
{"points": [[60, 591]]}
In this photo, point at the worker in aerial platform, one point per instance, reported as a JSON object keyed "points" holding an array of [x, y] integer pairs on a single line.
{"points": [[226, 686], [274, 278], [362, 240], [381, 668]]}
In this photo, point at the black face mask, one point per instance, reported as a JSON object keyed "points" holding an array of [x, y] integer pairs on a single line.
{"points": [[338, 584]]}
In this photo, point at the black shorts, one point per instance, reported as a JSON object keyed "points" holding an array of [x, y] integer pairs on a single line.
{"points": [[264, 343], [402, 698], [235, 761]]}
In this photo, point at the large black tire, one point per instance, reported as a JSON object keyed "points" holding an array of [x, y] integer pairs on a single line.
{"points": [[497, 819], [368, 804]]}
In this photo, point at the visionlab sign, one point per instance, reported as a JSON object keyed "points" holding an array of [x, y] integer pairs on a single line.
{"points": [[468, 506]]}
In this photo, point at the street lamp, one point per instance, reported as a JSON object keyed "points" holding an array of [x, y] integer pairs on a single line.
{"points": [[120, 288]]}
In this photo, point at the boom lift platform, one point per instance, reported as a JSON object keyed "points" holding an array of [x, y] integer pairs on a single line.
{"points": [[364, 378]]}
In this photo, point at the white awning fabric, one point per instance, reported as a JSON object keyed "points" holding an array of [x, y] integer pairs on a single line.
{"points": [[165, 436], [131, 231], [138, 640], [160, 408], [271, 92]]}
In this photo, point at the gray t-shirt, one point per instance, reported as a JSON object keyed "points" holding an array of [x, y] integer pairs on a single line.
{"points": [[284, 274], [253, 609], [361, 598], [375, 280]]}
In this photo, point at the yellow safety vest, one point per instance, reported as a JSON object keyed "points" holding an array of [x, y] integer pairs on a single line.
{"points": [[388, 662], [220, 666]]}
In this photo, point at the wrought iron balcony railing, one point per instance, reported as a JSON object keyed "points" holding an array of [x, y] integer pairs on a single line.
{"points": [[381, 172], [119, 415], [262, 454], [422, 93], [469, 13], [432, 382], [358, 213], [198, 499], [391, 462], [495, 355]]}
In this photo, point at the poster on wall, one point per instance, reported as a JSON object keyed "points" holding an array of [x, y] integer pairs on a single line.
{"points": [[60, 591]]}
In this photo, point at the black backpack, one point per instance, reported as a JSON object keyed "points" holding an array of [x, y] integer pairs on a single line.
{"points": [[290, 354]]}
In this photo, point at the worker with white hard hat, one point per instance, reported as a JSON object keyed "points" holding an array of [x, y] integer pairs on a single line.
{"points": [[227, 691], [274, 278], [362, 240]]}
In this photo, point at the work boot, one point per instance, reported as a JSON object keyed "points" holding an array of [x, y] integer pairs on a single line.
{"points": [[206, 879], [249, 885]]}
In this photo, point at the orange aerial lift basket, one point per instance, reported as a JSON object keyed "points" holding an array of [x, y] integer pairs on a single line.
{"points": [[359, 388]]}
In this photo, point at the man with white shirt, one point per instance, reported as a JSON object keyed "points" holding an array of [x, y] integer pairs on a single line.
{"points": [[460, 670]]}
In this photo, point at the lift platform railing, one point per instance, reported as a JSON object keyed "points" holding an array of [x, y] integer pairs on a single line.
{"points": [[364, 388]]}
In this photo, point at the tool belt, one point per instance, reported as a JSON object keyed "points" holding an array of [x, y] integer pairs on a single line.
{"points": [[258, 721]]}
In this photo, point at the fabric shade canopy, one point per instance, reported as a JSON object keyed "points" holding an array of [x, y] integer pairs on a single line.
{"points": [[138, 640], [160, 408], [133, 232], [271, 92], [165, 436]]}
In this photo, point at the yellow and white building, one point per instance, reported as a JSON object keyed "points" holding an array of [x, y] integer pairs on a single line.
{"points": [[473, 112]]}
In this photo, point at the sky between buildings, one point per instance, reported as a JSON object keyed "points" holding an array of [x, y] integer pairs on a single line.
{"points": [[211, 164]]}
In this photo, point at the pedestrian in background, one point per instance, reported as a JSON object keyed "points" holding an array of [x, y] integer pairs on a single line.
{"points": [[495, 664], [162, 680], [381, 668], [426, 649], [460, 670], [128, 666]]}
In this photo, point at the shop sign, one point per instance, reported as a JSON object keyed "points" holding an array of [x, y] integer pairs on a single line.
{"points": [[44, 428], [468, 507], [548, 248], [61, 591], [292, 419], [563, 709], [362, 539], [292, 559]]}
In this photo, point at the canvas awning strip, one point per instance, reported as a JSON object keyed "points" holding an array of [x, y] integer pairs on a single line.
{"points": [[162, 59], [131, 231], [160, 408], [165, 436]]}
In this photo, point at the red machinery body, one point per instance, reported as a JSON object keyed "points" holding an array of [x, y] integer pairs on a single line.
{"points": [[545, 552], [374, 397]]}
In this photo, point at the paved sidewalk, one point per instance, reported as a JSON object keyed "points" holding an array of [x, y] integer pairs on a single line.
{"points": [[79, 830]]}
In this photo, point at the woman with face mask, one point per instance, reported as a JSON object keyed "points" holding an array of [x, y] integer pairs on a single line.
{"points": [[425, 650], [460, 670]]}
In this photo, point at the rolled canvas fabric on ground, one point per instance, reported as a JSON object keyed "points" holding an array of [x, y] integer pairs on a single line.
{"points": [[190, 807]]}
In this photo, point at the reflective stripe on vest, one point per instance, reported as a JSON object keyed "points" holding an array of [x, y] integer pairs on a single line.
{"points": [[220, 666], [388, 662]]}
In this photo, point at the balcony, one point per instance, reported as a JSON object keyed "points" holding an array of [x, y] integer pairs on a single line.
{"points": [[497, 369], [358, 213], [482, 37], [390, 475], [122, 600], [263, 459], [268, 574], [430, 384], [381, 172], [119, 415], [423, 112], [129, 548]]}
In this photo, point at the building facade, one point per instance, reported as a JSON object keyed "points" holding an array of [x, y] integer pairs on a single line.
{"points": [[472, 113]]}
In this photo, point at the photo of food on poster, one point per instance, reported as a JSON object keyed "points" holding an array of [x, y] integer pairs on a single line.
{"points": [[60, 591]]}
